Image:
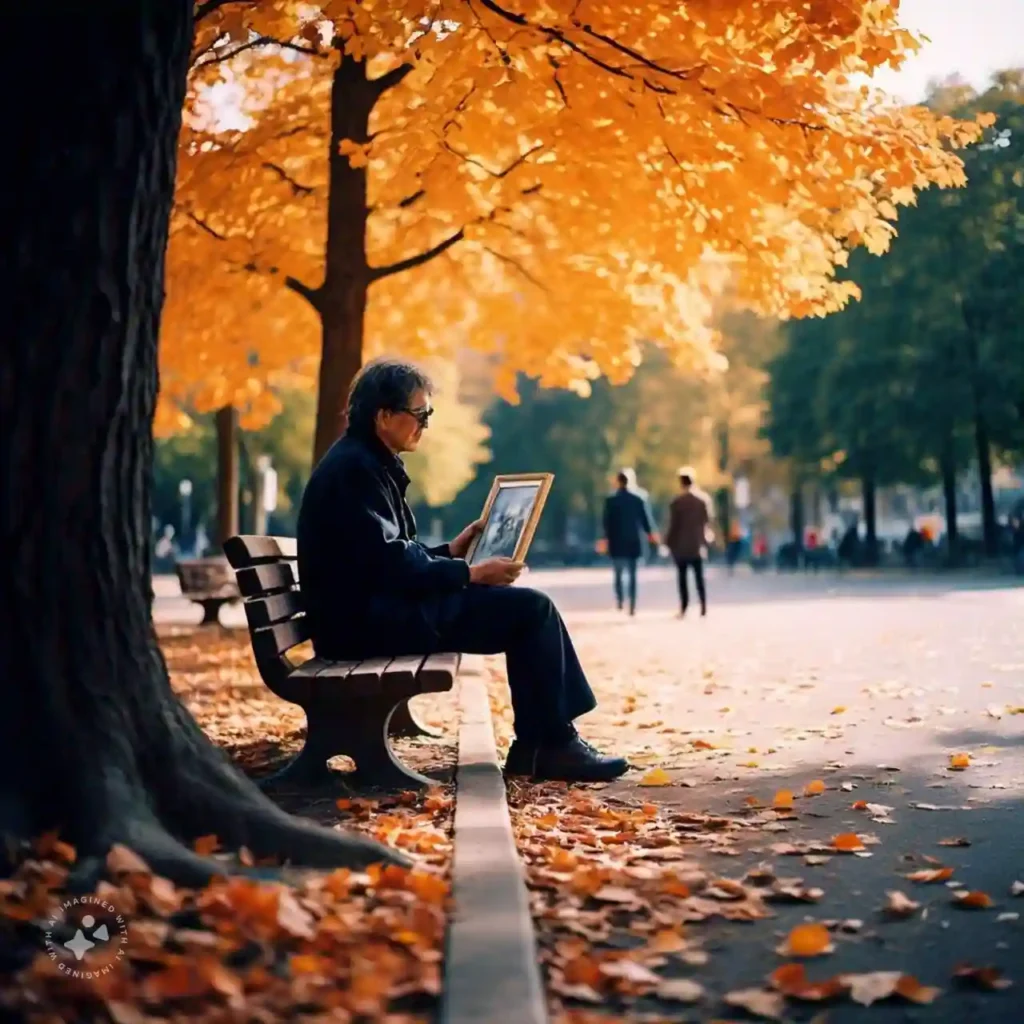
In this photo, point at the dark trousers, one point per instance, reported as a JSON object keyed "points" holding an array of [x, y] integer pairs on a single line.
{"points": [[625, 567], [545, 678], [697, 564]]}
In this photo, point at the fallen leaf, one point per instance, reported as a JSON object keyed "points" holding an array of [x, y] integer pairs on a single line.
{"points": [[666, 941], [783, 798], [973, 900], [898, 905], [582, 970], [791, 980], [859, 805], [656, 777], [1008, 916], [1017, 889], [807, 940], [793, 889], [614, 894], [931, 875], [847, 842], [838, 709], [680, 990], [703, 745], [956, 841], [121, 860], [989, 978], [877, 985], [958, 762], [630, 970], [815, 788], [758, 1002]]}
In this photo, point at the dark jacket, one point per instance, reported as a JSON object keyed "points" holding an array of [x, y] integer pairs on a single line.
{"points": [[687, 526], [625, 522], [369, 587]]}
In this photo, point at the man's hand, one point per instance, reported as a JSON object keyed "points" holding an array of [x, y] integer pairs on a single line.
{"points": [[601, 547], [495, 572], [460, 546], [654, 538]]}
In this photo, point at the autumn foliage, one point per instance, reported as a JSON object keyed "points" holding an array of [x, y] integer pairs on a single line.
{"points": [[553, 183]]}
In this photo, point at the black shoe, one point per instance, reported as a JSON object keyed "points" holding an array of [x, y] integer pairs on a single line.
{"points": [[575, 760]]}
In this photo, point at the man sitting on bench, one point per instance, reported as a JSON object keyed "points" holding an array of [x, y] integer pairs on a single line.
{"points": [[372, 590]]}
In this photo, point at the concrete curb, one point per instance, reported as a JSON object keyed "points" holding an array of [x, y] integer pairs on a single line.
{"points": [[491, 967]]}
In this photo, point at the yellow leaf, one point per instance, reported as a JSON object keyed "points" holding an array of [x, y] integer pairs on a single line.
{"points": [[656, 777], [838, 709]]}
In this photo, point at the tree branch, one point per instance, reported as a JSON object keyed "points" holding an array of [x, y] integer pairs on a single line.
{"points": [[382, 83], [202, 224], [252, 44], [204, 10], [297, 188], [519, 160], [376, 273], [311, 295], [518, 266]]}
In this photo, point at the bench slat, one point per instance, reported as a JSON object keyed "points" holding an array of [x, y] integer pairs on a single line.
{"points": [[266, 611], [263, 580], [402, 671], [250, 549], [438, 672], [370, 671], [273, 641]]}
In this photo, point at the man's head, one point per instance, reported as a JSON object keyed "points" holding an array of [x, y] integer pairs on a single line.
{"points": [[686, 477], [391, 400], [622, 479]]}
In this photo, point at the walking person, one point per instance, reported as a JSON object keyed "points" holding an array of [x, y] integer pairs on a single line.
{"points": [[688, 532], [626, 523]]}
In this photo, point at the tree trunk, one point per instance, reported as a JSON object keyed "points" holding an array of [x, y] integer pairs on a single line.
{"points": [[796, 515], [949, 496], [342, 299], [870, 500], [227, 473], [93, 743], [989, 524]]}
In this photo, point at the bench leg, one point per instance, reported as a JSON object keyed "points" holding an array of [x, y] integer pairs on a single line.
{"points": [[359, 730], [406, 725], [211, 612]]}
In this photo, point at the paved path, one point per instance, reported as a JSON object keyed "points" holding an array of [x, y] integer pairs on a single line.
{"points": [[861, 682]]}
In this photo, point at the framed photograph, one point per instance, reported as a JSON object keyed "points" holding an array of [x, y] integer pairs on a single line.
{"points": [[511, 515]]}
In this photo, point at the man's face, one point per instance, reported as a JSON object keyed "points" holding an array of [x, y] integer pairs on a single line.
{"points": [[402, 429]]}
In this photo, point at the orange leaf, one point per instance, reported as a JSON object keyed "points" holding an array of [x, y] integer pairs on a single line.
{"points": [[791, 980], [958, 762], [582, 971], [784, 798], [563, 860], [814, 788], [910, 988], [989, 978], [931, 875], [859, 805], [974, 900], [807, 940], [847, 842], [656, 777], [205, 845], [666, 941], [703, 745]]}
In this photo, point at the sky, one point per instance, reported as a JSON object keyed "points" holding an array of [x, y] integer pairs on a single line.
{"points": [[971, 37]]}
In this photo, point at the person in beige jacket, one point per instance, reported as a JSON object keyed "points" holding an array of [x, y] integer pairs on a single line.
{"points": [[688, 531]]}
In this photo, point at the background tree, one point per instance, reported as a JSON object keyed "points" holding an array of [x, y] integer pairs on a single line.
{"points": [[93, 743], [551, 185]]}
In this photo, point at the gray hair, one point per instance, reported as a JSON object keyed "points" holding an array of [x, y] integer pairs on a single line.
{"points": [[384, 384]]}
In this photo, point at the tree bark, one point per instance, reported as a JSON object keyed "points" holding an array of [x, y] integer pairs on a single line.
{"points": [[226, 421], [948, 462], [989, 524], [342, 300], [93, 742]]}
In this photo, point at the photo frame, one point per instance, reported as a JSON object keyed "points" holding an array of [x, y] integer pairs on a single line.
{"points": [[511, 514]]}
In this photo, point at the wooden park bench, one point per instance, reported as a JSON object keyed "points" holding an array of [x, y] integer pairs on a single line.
{"points": [[352, 707], [208, 582]]}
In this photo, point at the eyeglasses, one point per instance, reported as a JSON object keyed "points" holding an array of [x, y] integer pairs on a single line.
{"points": [[422, 416]]}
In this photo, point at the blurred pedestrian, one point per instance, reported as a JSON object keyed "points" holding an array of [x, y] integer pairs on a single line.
{"points": [[689, 530], [626, 522]]}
